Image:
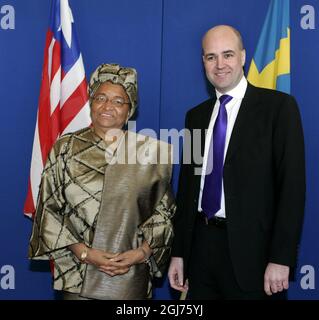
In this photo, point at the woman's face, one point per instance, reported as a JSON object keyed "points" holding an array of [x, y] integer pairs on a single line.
{"points": [[109, 107]]}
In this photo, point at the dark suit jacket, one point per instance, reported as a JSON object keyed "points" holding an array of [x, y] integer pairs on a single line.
{"points": [[264, 184]]}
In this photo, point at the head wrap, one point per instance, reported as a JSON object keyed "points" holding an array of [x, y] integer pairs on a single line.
{"points": [[126, 77]]}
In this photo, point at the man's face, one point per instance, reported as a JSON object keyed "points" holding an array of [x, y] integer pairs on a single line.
{"points": [[223, 58]]}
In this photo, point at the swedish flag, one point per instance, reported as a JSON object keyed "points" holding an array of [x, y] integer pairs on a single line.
{"points": [[270, 67]]}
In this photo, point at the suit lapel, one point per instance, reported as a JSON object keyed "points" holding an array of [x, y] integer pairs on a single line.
{"points": [[242, 124], [202, 124], [204, 121]]}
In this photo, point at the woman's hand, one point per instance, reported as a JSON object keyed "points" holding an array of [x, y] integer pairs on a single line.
{"points": [[98, 258], [104, 262], [128, 258], [122, 262], [112, 263]]}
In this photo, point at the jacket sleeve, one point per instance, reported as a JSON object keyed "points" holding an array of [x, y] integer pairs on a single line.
{"points": [[180, 221], [289, 160], [52, 229], [157, 230]]}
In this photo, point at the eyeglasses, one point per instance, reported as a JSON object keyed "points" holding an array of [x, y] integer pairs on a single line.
{"points": [[115, 102]]}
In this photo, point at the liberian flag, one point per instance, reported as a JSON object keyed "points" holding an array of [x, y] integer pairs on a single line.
{"points": [[63, 103]]}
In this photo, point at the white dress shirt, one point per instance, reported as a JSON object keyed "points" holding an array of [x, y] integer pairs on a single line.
{"points": [[232, 108]]}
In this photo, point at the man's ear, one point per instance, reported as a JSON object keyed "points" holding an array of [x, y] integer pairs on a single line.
{"points": [[243, 57]]}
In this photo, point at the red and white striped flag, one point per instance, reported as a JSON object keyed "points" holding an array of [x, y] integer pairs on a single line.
{"points": [[63, 103]]}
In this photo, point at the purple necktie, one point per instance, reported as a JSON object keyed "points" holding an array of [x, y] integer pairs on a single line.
{"points": [[212, 191]]}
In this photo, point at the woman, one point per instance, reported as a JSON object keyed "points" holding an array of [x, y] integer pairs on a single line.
{"points": [[105, 203]]}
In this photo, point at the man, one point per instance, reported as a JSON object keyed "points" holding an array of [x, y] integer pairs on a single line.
{"points": [[239, 220]]}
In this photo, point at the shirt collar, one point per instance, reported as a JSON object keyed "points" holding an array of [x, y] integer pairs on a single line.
{"points": [[238, 92]]}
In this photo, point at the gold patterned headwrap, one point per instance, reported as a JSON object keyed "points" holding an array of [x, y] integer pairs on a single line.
{"points": [[127, 77]]}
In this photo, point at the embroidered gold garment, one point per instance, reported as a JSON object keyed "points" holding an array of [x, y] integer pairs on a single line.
{"points": [[101, 196]]}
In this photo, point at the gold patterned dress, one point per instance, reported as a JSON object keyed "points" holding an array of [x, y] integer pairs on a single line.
{"points": [[111, 198]]}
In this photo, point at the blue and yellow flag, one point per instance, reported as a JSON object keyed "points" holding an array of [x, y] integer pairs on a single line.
{"points": [[270, 67]]}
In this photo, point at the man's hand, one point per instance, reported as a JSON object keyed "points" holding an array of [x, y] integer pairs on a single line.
{"points": [[276, 278], [175, 274]]}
